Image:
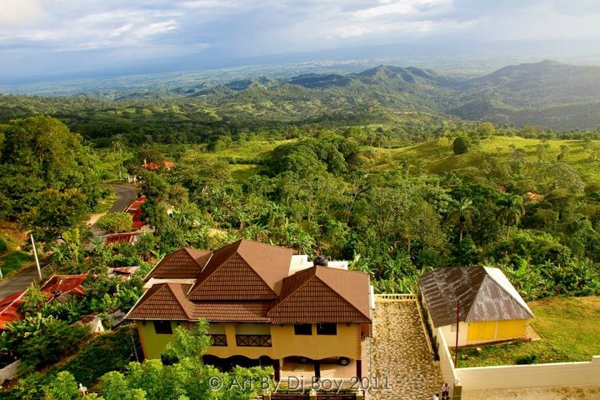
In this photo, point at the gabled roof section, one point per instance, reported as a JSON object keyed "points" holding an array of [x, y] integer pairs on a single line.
{"points": [[185, 263], [255, 312], [163, 301], [244, 270], [485, 294], [323, 295]]}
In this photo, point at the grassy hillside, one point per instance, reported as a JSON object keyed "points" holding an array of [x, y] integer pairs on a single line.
{"points": [[436, 156]]}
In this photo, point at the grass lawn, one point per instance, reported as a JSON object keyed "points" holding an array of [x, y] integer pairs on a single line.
{"points": [[436, 156], [13, 260], [105, 204], [570, 330]]}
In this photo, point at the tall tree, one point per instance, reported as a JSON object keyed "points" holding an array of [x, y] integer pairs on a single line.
{"points": [[510, 210], [462, 215]]}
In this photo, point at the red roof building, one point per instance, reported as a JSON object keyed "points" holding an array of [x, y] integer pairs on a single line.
{"points": [[155, 167], [9, 309], [58, 287], [135, 210]]}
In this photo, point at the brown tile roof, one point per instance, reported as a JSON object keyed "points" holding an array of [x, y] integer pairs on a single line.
{"points": [[247, 282], [232, 312], [163, 301], [484, 293], [168, 301], [244, 270], [183, 264], [322, 294]]}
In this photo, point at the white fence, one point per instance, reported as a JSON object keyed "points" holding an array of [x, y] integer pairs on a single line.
{"points": [[449, 373], [531, 376]]}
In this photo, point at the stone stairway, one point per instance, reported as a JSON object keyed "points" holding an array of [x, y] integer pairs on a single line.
{"points": [[400, 354]]}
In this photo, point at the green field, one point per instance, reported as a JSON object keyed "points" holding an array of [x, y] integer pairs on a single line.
{"points": [[436, 156], [570, 331], [13, 261]]}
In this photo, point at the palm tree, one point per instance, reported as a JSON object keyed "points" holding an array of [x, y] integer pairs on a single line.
{"points": [[462, 215], [510, 210]]}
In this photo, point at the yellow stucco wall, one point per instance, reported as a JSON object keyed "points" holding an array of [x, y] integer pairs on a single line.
{"points": [[153, 344], [480, 332], [284, 342], [483, 332]]}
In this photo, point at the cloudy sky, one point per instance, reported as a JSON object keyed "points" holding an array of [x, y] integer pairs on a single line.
{"points": [[61, 36]]}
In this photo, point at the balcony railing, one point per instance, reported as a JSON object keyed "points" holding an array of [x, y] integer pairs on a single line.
{"points": [[219, 340], [253, 340], [395, 297]]}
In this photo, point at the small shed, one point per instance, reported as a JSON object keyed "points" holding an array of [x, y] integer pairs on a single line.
{"points": [[489, 307]]}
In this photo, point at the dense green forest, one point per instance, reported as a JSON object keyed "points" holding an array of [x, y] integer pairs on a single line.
{"points": [[462, 196]]}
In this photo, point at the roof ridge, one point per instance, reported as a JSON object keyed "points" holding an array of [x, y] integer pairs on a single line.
{"points": [[183, 308], [187, 250], [140, 299], [198, 283], [342, 297], [147, 277], [256, 272], [281, 300], [507, 292], [476, 293]]}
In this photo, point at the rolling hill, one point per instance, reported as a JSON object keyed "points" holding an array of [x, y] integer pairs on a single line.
{"points": [[547, 94]]}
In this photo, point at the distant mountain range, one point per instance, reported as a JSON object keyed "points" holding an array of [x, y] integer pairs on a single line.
{"points": [[548, 94]]}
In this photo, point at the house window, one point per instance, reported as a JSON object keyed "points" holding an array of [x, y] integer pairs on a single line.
{"points": [[163, 327], [326, 329], [303, 329], [453, 328]]}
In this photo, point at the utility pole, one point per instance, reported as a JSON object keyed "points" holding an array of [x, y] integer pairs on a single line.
{"points": [[37, 261], [457, 323]]}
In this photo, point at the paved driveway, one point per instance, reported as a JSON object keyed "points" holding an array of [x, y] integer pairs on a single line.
{"points": [[18, 282], [125, 196], [400, 353]]}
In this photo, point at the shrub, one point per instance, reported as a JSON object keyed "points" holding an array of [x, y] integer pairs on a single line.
{"points": [[526, 359], [460, 146], [42, 341], [115, 222], [3, 246]]}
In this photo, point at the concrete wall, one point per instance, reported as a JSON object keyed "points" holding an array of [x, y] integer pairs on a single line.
{"points": [[531, 376], [447, 364]]}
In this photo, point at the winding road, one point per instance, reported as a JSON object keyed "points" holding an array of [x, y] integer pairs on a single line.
{"points": [[125, 195]]}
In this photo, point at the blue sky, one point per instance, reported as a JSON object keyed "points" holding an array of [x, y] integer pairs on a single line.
{"points": [[61, 36]]}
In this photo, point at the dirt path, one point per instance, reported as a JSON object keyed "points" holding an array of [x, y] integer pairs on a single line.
{"points": [[401, 353]]}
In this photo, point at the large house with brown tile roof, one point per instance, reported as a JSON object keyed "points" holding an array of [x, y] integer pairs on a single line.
{"points": [[264, 305]]}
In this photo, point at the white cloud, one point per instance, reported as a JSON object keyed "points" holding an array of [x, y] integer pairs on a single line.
{"points": [[134, 28], [402, 7], [19, 12]]}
